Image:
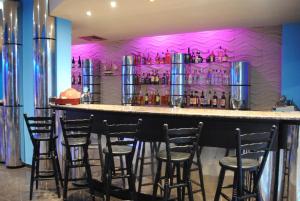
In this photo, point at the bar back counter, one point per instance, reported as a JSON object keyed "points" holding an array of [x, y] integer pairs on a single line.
{"points": [[218, 130]]}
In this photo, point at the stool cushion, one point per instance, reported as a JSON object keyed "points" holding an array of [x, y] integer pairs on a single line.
{"points": [[175, 156], [231, 163], [119, 150]]}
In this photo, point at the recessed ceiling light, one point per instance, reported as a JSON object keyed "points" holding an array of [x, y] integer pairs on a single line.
{"points": [[151, 0], [113, 4], [88, 13]]}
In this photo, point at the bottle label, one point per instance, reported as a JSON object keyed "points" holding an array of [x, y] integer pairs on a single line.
{"points": [[214, 102], [223, 102]]}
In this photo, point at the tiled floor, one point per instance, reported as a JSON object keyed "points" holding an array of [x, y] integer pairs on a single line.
{"points": [[14, 186]]}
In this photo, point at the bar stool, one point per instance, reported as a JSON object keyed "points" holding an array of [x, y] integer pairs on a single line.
{"points": [[120, 142], [251, 155], [77, 136], [41, 129], [181, 145]]}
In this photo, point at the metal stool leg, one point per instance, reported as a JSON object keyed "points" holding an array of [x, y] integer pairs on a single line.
{"points": [[220, 184]]}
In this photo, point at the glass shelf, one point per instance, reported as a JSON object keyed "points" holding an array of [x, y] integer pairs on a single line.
{"points": [[149, 84]]}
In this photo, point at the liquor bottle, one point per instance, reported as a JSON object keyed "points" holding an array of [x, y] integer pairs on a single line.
{"points": [[163, 79], [168, 57], [167, 78], [156, 80], [149, 60], [225, 57], [79, 79], [223, 100], [144, 59], [191, 99], [157, 98], [152, 78], [139, 59], [73, 79], [209, 78], [212, 57], [188, 57], [220, 55], [79, 62], [163, 58], [196, 99], [146, 99], [157, 59], [190, 79], [209, 99], [215, 100], [141, 98], [193, 58], [143, 78], [199, 58], [73, 62], [225, 78], [185, 100], [202, 99]]}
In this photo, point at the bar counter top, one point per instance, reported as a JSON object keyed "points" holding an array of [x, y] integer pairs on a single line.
{"points": [[193, 112]]}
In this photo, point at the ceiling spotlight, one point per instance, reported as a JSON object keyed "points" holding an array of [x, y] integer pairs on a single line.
{"points": [[88, 13], [113, 4]]}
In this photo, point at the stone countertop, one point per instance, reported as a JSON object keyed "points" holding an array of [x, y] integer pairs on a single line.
{"points": [[193, 112]]}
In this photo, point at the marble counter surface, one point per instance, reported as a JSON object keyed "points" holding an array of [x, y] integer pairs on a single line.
{"points": [[210, 113]]}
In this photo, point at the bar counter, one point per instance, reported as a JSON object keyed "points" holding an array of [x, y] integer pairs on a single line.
{"points": [[189, 112], [218, 131]]}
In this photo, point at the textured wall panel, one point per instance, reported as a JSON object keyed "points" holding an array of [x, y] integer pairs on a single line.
{"points": [[260, 46]]}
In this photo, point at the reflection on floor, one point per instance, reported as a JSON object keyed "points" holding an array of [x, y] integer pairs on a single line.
{"points": [[14, 186]]}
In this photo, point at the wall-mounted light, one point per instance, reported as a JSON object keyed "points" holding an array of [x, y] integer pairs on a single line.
{"points": [[113, 4], [88, 13]]}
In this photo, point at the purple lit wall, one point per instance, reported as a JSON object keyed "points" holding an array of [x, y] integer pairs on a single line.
{"points": [[260, 46]]}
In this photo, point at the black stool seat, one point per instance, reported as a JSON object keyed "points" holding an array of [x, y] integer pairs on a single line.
{"points": [[119, 150], [231, 163], [175, 156]]}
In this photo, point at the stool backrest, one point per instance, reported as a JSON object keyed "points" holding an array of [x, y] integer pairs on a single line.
{"points": [[182, 140], [77, 128], [39, 126], [254, 146], [121, 134]]}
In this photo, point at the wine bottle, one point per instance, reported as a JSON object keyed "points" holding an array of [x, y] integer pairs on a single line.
{"points": [[196, 99], [191, 99], [185, 100], [215, 100], [157, 98], [73, 79], [209, 99], [202, 99], [73, 62], [188, 57], [223, 100], [79, 62], [157, 59], [146, 98], [79, 79], [168, 57]]}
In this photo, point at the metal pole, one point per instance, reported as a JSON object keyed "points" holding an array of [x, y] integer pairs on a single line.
{"points": [[44, 62], [44, 57], [12, 79]]}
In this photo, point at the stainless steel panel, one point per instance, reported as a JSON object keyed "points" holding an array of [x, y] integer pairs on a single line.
{"points": [[2, 135], [178, 58], [13, 128], [128, 60], [239, 97], [43, 24], [12, 75], [178, 73], [44, 72], [11, 22], [128, 89], [239, 73]]}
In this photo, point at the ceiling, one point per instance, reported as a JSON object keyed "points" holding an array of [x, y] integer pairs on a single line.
{"points": [[134, 18]]}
